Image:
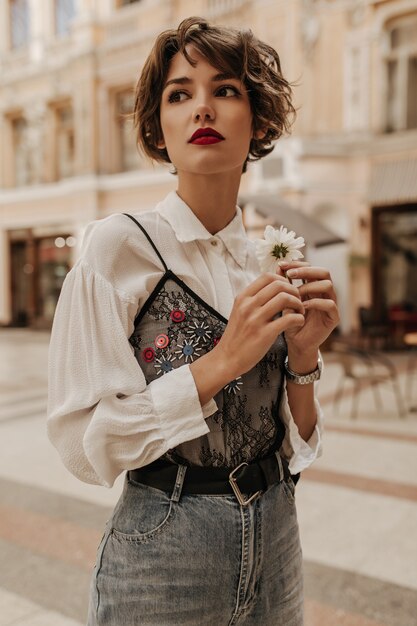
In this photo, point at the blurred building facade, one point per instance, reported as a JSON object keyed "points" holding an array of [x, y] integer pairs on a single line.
{"points": [[67, 153]]}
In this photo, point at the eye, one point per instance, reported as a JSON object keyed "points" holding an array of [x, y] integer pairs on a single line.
{"points": [[175, 96], [224, 88]]}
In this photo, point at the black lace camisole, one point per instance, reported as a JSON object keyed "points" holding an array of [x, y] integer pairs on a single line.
{"points": [[174, 327]]}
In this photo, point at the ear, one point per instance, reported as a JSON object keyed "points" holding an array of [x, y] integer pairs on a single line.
{"points": [[260, 134], [161, 144]]}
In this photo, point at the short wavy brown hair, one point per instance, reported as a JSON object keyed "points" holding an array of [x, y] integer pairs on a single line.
{"points": [[239, 52]]}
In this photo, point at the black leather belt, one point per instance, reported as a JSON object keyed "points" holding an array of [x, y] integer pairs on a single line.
{"points": [[251, 478]]}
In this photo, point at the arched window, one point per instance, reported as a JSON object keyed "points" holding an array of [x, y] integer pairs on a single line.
{"points": [[401, 74], [19, 23], [64, 14]]}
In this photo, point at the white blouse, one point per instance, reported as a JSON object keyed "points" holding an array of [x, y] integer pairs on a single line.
{"points": [[102, 416]]}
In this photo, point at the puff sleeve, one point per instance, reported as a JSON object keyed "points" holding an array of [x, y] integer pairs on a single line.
{"points": [[102, 416]]}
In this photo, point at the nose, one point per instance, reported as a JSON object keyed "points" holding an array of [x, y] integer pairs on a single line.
{"points": [[203, 112]]}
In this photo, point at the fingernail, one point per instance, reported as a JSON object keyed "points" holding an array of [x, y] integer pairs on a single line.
{"points": [[292, 273], [283, 263]]}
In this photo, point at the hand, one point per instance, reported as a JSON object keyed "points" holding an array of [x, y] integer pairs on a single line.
{"points": [[320, 304], [253, 324]]}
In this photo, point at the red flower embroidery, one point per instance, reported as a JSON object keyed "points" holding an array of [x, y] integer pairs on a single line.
{"points": [[161, 341], [177, 315], [148, 355]]}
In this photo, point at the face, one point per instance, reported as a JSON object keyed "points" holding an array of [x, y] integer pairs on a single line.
{"points": [[201, 98]]}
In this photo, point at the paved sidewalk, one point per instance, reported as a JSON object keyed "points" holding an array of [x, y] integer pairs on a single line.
{"points": [[357, 507]]}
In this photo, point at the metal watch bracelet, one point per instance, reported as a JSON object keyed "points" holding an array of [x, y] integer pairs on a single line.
{"points": [[303, 379]]}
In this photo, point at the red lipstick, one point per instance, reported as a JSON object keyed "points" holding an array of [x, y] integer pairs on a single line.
{"points": [[206, 136]]}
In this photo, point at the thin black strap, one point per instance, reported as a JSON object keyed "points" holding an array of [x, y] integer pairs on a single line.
{"points": [[149, 239]]}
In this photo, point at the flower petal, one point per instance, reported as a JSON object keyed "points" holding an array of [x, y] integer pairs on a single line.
{"points": [[269, 233]]}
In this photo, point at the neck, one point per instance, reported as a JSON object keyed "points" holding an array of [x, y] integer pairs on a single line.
{"points": [[212, 198]]}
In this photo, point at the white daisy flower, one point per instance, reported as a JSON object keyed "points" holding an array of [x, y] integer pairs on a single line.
{"points": [[278, 245]]}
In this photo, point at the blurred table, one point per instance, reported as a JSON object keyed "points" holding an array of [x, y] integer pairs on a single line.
{"points": [[402, 323]]}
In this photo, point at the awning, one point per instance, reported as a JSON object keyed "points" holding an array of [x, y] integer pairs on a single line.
{"points": [[280, 213], [393, 182]]}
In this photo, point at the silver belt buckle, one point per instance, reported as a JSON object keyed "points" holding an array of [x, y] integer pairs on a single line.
{"points": [[235, 487]]}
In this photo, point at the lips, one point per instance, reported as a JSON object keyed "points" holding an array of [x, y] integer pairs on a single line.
{"points": [[205, 136]]}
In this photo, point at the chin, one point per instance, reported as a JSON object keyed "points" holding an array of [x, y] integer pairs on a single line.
{"points": [[210, 166]]}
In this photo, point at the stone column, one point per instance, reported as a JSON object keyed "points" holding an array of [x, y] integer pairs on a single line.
{"points": [[36, 27], [5, 295], [35, 141], [4, 29]]}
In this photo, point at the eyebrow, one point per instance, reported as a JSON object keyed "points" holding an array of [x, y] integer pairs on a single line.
{"points": [[184, 80]]}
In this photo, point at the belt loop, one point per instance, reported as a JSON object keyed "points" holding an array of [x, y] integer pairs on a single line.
{"points": [[179, 481], [280, 467]]}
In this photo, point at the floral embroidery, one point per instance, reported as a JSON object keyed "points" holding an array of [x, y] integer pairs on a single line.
{"points": [[246, 424], [148, 355], [164, 364], [161, 341], [188, 350], [177, 316], [199, 330], [234, 385]]}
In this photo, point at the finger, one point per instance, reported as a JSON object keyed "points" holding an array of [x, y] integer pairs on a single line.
{"points": [[286, 265], [319, 287], [292, 320], [279, 303], [259, 283], [283, 266], [329, 306], [270, 291], [310, 273]]}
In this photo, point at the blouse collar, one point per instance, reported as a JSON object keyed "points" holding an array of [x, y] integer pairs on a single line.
{"points": [[187, 227]]}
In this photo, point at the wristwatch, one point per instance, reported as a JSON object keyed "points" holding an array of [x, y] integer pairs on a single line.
{"points": [[303, 379]]}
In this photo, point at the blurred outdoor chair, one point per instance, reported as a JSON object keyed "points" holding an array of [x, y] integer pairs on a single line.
{"points": [[373, 332], [365, 369], [410, 340]]}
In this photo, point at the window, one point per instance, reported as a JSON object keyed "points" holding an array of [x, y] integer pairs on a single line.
{"points": [[128, 155], [401, 75], [64, 141], [19, 23], [356, 107], [22, 170], [64, 14]]}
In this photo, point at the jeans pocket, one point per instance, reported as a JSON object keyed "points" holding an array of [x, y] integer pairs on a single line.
{"points": [[95, 591], [144, 513], [288, 488]]}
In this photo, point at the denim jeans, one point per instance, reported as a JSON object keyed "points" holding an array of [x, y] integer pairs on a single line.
{"points": [[199, 560]]}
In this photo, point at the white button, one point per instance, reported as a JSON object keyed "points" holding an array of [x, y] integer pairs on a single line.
{"points": [[213, 242]]}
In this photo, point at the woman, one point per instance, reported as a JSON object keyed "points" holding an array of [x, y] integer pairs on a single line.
{"points": [[168, 358]]}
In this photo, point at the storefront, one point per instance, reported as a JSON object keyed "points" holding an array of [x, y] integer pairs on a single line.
{"points": [[393, 197], [39, 263], [395, 268]]}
